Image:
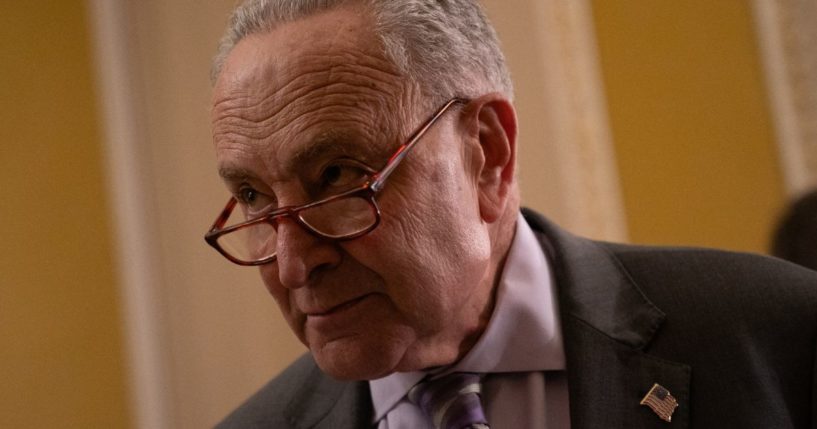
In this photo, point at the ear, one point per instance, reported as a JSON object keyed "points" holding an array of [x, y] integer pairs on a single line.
{"points": [[493, 125]]}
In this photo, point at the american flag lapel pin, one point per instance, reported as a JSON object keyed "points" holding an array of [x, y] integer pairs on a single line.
{"points": [[661, 402]]}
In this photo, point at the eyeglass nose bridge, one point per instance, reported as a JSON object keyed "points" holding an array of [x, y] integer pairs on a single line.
{"points": [[294, 218], [292, 213]]}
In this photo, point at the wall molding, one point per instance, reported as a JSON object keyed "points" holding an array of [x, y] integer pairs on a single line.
{"points": [[591, 189], [137, 266], [566, 159], [787, 38]]}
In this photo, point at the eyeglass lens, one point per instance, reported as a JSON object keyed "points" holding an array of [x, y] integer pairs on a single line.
{"points": [[335, 219]]}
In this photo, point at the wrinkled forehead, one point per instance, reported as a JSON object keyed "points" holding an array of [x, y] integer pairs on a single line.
{"points": [[313, 69]]}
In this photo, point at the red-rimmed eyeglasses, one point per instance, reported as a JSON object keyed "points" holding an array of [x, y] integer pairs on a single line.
{"points": [[343, 216]]}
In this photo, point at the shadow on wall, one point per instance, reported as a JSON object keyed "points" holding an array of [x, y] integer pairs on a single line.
{"points": [[795, 238]]}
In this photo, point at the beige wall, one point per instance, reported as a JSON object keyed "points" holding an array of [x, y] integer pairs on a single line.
{"points": [[566, 162], [61, 357], [690, 119]]}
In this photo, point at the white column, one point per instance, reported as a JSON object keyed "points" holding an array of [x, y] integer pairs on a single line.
{"points": [[132, 206], [567, 159], [787, 36]]}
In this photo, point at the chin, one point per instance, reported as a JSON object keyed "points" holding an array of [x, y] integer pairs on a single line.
{"points": [[349, 359], [353, 369]]}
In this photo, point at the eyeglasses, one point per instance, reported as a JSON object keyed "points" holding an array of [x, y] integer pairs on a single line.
{"points": [[343, 216]]}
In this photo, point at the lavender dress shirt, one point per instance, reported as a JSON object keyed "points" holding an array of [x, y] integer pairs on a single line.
{"points": [[521, 352]]}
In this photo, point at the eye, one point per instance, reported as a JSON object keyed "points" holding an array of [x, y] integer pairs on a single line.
{"points": [[254, 201], [247, 195], [343, 175]]}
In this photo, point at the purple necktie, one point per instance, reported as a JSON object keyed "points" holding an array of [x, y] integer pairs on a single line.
{"points": [[452, 402]]}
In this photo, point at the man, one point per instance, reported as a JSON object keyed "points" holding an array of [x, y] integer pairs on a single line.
{"points": [[370, 149]]}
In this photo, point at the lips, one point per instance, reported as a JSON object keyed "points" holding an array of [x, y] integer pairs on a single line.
{"points": [[339, 308]]}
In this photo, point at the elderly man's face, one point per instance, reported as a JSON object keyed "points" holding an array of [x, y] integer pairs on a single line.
{"points": [[306, 111]]}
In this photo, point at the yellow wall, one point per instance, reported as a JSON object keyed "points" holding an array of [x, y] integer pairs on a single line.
{"points": [[690, 121], [60, 330]]}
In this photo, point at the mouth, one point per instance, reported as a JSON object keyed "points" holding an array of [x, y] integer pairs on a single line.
{"points": [[337, 308]]}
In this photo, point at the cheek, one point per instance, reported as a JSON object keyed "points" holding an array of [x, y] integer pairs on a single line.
{"points": [[425, 256], [269, 274], [281, 295]]}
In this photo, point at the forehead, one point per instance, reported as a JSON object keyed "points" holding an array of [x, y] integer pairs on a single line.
{"points": [[309, 81]]}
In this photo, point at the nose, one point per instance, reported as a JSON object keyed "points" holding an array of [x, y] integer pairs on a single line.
{"points": [[301, 255]]}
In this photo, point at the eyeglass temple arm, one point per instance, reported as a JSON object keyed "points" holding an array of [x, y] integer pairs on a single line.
{"points": [[223, 216], [402, 151]]}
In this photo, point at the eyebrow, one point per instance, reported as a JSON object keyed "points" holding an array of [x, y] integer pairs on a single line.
{"points": [[234, 174], [328, 145]]}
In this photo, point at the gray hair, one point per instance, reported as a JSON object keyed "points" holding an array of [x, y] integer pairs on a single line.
{"points": [[447, 47]]}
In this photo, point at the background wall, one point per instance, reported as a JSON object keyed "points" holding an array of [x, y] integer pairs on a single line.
{"points": [[61, 355], [696, 153]]}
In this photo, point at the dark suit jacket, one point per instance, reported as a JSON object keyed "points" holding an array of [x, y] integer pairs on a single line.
{"points": [[732, 336]]}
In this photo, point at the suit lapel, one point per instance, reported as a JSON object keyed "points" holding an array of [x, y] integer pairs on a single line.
{"points": [[324, 403], [607, 381], [607, 324]]}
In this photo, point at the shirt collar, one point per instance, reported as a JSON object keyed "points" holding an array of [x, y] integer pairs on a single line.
{"points": [[523, 334]]}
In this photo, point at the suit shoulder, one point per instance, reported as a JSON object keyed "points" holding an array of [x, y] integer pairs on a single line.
{"points": [[722, 275], [267, 407], [728, 262]]}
